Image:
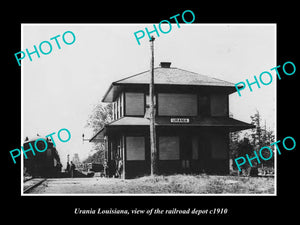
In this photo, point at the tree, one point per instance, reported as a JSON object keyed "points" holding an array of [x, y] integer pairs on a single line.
{"points": [[233, 144], [268, 138], [101, 115], [256, 132], [97, 157], [244, 147], [261, 138], [242, 143]]}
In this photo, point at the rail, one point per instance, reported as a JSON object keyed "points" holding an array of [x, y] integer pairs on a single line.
{"points": [[32, 183]]}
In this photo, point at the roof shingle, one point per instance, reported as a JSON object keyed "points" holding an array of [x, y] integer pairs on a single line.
{"points": [[174, 76]]}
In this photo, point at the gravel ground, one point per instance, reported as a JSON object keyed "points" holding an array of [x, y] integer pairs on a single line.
{"points": [[175, 184]]}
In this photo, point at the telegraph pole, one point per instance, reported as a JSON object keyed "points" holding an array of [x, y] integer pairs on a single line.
{"points": [[152, 113]]}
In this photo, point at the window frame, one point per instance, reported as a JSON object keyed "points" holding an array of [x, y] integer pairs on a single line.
{"points": [[125, 104], [178, 115]]}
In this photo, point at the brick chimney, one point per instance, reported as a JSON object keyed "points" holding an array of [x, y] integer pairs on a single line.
{"points": [[165, 64]]}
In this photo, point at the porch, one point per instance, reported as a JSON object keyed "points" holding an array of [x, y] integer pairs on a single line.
{"points": [[180, 150]]}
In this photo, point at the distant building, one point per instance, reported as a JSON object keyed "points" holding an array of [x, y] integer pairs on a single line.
{"points": [[75, 159], [192, 123]]}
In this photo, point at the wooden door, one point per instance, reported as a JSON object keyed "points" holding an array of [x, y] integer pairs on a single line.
{"points": [[186, 153]]}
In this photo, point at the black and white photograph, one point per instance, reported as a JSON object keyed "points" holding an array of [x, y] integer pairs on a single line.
{"points": [[107, 111], [149, 113]]}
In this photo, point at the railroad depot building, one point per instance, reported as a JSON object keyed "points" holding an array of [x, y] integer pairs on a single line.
{"points": [[192, 123]]}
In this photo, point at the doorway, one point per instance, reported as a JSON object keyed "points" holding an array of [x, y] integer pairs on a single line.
{"points": [[186, 153]]}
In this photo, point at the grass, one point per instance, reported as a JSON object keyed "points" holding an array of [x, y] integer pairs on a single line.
{"points": [[172, 184], [199, 184]]}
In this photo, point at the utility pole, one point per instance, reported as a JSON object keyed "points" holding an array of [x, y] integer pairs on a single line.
{"points": [[152, 113]]}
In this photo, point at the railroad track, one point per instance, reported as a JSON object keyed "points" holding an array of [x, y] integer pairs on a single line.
{"points": [[32, 183]]}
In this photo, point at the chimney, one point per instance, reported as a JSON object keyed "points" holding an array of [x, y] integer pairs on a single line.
{"points": [[165, 64]]}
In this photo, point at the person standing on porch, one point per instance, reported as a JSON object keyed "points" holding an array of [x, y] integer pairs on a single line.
{"points": [[120, 167]]}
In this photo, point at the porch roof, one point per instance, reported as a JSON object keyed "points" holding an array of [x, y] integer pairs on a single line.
{"points": [[232, 124]]}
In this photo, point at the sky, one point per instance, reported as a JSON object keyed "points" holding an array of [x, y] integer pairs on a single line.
{"points": [[60, 90]]}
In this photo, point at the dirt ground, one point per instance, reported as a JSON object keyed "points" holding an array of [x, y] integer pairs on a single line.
{"points": [[174, 184]]}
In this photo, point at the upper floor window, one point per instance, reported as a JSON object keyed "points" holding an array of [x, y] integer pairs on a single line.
{"points": [[118, 104], [219, 105], [114, 111], [171, 104], [121, 105], [177, 104], [134, 104]]}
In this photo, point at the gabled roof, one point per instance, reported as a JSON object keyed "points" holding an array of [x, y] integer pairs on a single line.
{"points": [[168, 76]]}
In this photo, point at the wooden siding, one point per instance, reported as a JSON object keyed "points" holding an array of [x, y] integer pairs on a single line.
{"points": [[195, 148], [219, 146]]}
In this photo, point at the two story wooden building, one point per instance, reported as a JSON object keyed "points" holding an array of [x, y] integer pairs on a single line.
{"points": [[192, 123]]}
